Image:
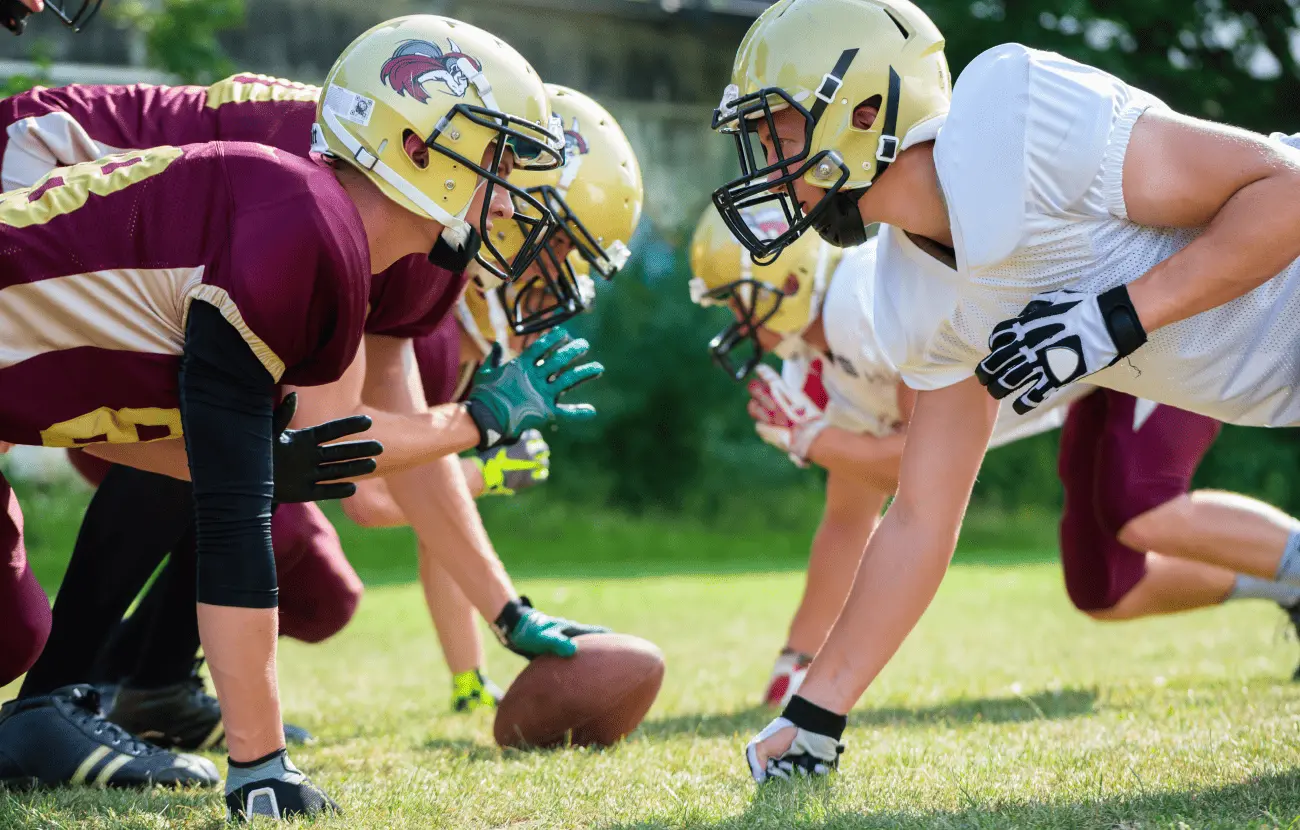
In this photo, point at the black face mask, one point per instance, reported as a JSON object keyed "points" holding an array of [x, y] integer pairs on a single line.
{"points": [[839, 223]]}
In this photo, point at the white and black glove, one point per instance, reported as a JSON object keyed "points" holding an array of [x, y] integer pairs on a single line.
{"points": [[783, 415], [272, 787], [816, 748], [1061, 336]]}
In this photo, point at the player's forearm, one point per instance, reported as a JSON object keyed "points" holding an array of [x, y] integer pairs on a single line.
{"points": [[163, 457], [452, 613], [438, 505], [473, 477], [239, 644], [899, 575], [1254, 236], [416, 438], [836, 552], [867, 458]]}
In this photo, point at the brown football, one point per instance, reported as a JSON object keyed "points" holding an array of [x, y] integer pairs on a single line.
{"points": [[593, 698]]}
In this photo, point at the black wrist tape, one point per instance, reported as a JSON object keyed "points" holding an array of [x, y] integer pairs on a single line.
{"points": [[814, 718], [1121, 320]]}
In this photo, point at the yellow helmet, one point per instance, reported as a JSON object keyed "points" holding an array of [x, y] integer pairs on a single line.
{"points": [[460, 90], [483, 318], [596, 197], [784, 297], [823, 59]]}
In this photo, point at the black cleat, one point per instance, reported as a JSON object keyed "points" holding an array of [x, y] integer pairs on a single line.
{"points": [[61, 738], [181, 715], [1293, 614]]}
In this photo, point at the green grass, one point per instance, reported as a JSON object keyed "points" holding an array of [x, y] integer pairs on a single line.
{"points": [[1006, 708]]}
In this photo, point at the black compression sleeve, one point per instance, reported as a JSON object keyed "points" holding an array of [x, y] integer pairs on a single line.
{"points": [[227, 398]]}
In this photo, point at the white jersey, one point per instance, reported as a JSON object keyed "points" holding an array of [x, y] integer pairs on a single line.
{"points": [[1030, 159], [860, 378]]}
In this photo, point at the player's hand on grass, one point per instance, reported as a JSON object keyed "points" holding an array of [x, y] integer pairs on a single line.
{"points": [[304, 458], [507, 470], [529, 633], [272, 787], [783, 415], [804, 741], [510, 398]]}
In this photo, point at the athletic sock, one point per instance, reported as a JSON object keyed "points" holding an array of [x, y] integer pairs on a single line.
{"points": [[1288, 570], [1252, 587]]}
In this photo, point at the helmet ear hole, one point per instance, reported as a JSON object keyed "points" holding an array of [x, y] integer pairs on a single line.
{"points": [[864, 114], [791, 286], [416, 150]]}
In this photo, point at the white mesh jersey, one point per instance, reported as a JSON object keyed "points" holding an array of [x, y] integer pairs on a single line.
{"points": [[1030, 159], [860, 376]]}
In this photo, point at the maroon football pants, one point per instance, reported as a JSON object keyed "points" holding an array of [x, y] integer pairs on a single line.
{"points": [[24, 609], [1120, 458]]}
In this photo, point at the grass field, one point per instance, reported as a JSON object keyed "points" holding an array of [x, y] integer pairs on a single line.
{"points": [[1006, 708]]}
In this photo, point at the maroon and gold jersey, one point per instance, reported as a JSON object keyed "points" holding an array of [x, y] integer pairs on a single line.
{"points": [[48, 128], [100, 262]]}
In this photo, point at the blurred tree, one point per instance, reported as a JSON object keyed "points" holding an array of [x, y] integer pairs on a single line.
{"points": [[181, 36], [41, 55]]}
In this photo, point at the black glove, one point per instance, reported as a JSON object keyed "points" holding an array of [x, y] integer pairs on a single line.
{"points": [[529, 633], [272, 787], [302, 463], [1060, 337]]}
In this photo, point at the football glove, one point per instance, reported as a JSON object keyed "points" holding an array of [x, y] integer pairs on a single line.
{"points": [[530, 633], [509, 398], [1060, 336], [303, 458], [507, 470], [783, 415], [272, 787], [815, 749]]}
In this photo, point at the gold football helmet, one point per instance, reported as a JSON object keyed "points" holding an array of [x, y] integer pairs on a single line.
{"points": [[483, 318], [823, 59], [463, 92], [596, 197], [784, 297]]}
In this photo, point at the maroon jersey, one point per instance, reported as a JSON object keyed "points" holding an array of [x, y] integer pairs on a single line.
{"points": [[100, 262], [48, 128], [437, 355]]}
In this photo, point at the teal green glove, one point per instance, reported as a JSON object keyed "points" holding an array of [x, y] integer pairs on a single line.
{"points": [[530, 633], [509, 398]]}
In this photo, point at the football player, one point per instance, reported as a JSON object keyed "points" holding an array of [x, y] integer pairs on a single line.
{"points": [[394, 178], [1126, 465], [597, 196], [1041, 188]]}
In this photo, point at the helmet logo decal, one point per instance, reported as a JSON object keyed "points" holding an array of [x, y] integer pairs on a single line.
{"points": [[419, 62], [766, 222], [575, 147]]}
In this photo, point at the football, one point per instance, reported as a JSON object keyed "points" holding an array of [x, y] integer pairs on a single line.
{"points": [[591, 699]]}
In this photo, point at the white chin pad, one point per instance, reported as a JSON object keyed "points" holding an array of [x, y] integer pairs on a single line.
{"points": [[456, 237]]}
